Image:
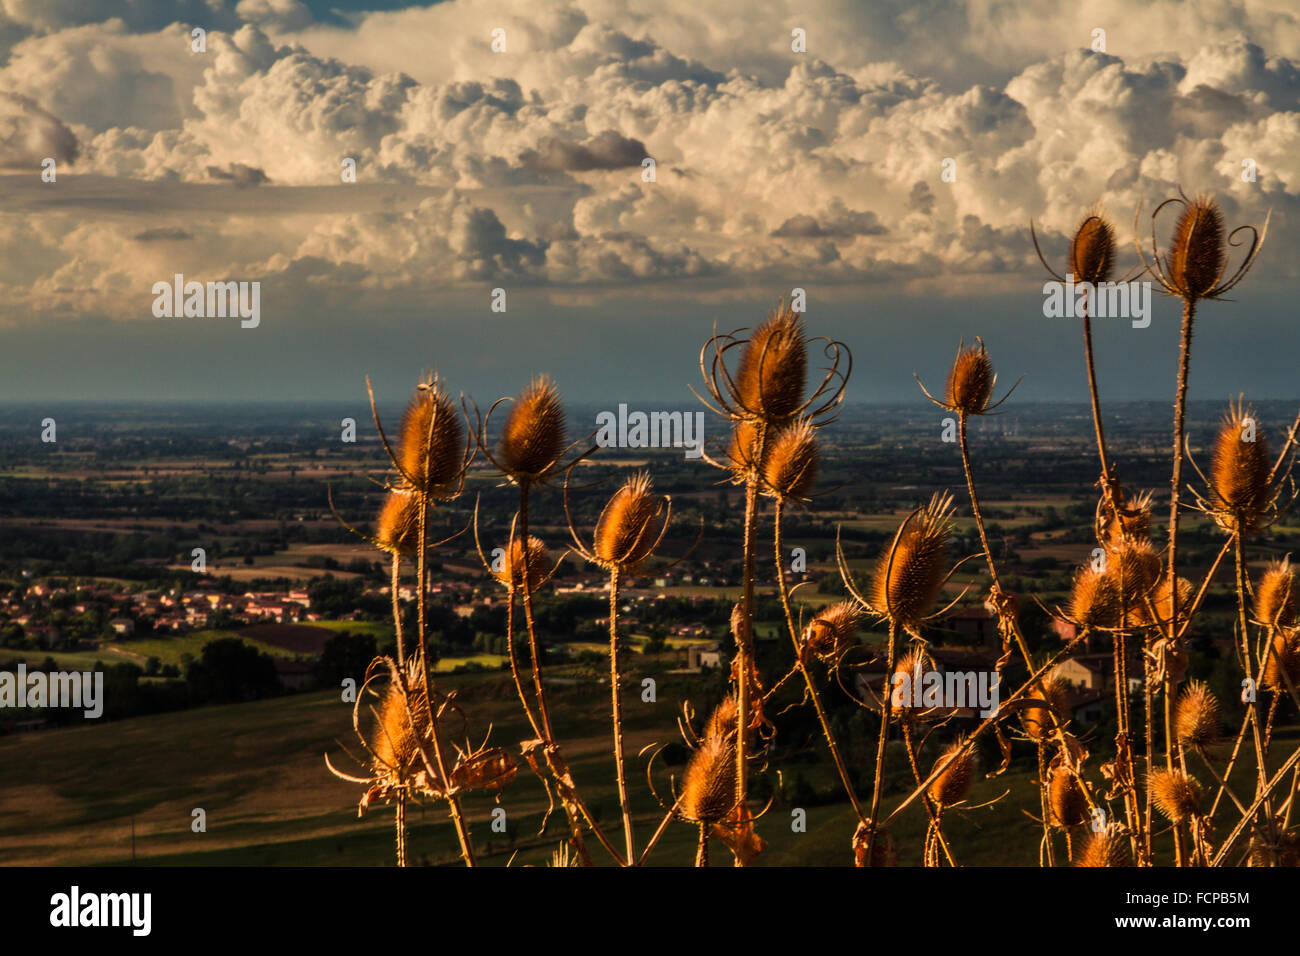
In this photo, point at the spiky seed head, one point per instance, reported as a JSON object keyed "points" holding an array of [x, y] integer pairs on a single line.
{"points": [[1196, 253], [397, 530], [1196, 719], [1065, 799], [1095, 599], [1041, 722], [742, 450], [953, 785], [831, 632], [431, 447], [1239, 471], [627, 529], [906, 694], [882, 847], [533, 437], [790, 469], [709, 786], [1135, 568], [1161, 599], [1106, 847], [722, 721], [970, 381], [1175, 793], [1092, 250], [1281, 658], [393, 742], [910, 574], [770, 377], [511, 572], [1134, 521], [1277, 598]]}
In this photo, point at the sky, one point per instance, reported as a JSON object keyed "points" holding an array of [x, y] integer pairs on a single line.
{"points": [[886, 158]]}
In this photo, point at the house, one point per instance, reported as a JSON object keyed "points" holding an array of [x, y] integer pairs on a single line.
{"points": [[294, 675], [123, 626], [973, 625], [1096, 672], [700, 656]]}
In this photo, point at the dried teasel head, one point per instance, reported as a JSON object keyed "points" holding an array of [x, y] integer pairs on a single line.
{"points": [[882, 846], [1066, 799], [1197, 251], [532, 439], [1095, 599], [1281, 660], [1105, 847], [709, 786], [772, 372], [953, 785], [1092, 249], [1197, 720], [1175, 793], [511, 572], [397, 530], [1239, 472], [1277, 597], [790, 468], [1161, 599], [1040, 722], [907, 683], [832, 632], [970, 381], [1133, 522], [743, 449], [629, 528], [393, 741], [1135, 568], [431, 449], [911, 573]]}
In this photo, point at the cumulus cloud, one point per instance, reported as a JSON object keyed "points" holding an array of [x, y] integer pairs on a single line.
{"points": [[28, 134], [886, 153]]}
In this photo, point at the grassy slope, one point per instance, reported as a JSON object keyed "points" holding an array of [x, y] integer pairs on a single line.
{"points": [[70, 795]]}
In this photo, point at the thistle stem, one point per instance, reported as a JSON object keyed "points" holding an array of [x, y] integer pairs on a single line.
{"points": [[615, 685], [878, 785], [803, 667]]}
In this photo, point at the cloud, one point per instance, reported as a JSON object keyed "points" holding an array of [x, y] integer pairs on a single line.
{"points": [[28, 134], [239, 174], [606, 150], [162, 233]]}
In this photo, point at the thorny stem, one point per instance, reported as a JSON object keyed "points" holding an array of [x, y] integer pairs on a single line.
{"points": [[1043, 802], [421, 575], [886, 709], [802, 666], [401, 828], [702, 848], [573, 804], [984, 539], [1261, 760], [397, 608], [1107, 478], [936, 821], [745, 639], [615, 685], [1176, 485]]}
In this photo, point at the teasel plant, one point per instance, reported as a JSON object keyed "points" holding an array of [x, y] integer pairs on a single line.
{"points": [[432, 456], [529, 454], [628, 532], [1245, 493], [908, 579], [766, 391], [969, 391]]}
